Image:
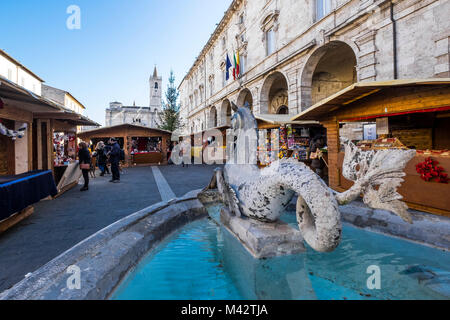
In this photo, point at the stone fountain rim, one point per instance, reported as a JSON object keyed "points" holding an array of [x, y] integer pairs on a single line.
{"points": [[107, 253]]}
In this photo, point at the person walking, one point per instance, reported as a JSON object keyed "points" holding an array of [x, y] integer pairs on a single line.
{"points": [[107, 150], [84, 158], [114, 159], [101, 157]]}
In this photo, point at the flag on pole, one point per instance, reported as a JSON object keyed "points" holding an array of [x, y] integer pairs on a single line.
{"points": [[229, 65], [235, 67], [238, 64]]}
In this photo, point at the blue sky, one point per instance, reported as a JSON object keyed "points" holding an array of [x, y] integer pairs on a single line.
{"points": [[113, 54]]}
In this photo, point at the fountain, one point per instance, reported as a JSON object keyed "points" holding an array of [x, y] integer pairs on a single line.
{"points": [[255, 198]]}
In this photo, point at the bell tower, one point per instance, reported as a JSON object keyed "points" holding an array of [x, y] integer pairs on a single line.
{"points": [[155, 91]]}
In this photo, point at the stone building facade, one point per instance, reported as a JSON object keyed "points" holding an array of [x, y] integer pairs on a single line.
{"points": [[118, 114], [295, 53]]}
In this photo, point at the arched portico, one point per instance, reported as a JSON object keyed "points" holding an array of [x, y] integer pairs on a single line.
{"points": [[274, 94], [328, 70], [225, 113], [212, 123], [245, 98]]}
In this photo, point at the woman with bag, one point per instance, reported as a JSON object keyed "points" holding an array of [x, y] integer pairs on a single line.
{"points": [[84, 158]]}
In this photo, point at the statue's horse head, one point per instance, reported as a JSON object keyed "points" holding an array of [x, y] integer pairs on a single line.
{"points": [[242, 118], [243, 135]]}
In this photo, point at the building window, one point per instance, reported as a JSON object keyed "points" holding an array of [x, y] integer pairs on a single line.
{"points": [[156, 85], [241, 19], [270, 41], [211, 86], [243, 64], [323, 7]]}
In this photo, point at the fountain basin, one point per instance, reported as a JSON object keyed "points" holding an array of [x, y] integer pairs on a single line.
{"points": [[105, 258], [111, 259]]}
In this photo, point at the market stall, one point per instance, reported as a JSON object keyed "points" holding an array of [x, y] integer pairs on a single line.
{"points": [[18, 132], [280, 137], [146, 150], [64, 153], [405, 114], [141, 145]]}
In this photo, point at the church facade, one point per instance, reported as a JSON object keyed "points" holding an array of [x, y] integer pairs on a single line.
{"points": [[118, 114]]}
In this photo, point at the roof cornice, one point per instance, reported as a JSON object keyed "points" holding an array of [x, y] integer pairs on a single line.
{"points": [[220, 27]]}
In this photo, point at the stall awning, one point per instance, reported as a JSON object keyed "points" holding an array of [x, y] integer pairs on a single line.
{"points": [[40, 107], [65, 114], [358, 91], [27, 100], [114, 130], [281, 119]]}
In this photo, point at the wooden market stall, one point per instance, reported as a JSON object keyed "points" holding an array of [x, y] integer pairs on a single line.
{"points": [[201, 140], [25, 177], [142, 145], [394, 114], [296, 139], [61, 147]]}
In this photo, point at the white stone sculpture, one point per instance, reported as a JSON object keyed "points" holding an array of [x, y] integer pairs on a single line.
{"points": [[264, 194]]}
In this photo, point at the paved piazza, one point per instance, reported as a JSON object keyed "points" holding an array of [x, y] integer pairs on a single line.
{"points": [[58, 225]]}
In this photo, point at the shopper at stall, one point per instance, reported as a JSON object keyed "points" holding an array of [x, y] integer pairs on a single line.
{"points": [[84, 158], [108, 148], [114, 158], [317, 164], [101, 157]]}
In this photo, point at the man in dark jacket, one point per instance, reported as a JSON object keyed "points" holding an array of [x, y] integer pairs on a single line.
{"points": [[114, 158]]}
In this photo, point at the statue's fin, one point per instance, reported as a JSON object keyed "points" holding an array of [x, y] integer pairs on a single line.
{"points": [[376, 175]]}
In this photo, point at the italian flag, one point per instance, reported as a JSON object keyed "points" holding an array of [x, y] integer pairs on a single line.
{"points": [[236, 70]]}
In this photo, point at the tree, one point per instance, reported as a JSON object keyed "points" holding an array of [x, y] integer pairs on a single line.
{"points": [[169, 118]]}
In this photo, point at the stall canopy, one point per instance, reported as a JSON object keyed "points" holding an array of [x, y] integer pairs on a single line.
{"points": [[16, 95], [126, 134], [41, 107], [280, 119], [118, 131], [360, 90], [66, 115]]}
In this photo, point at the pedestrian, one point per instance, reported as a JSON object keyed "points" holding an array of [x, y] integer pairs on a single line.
{"points": [[114, 158], [181, 154], [84, 158], [101, 157], [317, 164], [108, 148]]}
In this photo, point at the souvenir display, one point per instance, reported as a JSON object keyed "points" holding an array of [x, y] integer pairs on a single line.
{"points": [[64, 147]]}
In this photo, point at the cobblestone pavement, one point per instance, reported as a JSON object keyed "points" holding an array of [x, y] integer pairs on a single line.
{"points": [[58, 225]]}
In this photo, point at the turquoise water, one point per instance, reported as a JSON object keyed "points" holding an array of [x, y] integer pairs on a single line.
{"points": [[203, 261]]}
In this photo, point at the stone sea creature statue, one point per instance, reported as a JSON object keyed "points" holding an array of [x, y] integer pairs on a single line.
{"points": [[264, 194]]}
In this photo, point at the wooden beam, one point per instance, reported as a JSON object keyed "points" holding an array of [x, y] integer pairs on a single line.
{"points": [[15, 219], [30, 146], [16, 114], [56, 115]]}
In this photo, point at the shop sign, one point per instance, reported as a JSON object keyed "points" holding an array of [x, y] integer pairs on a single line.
{"points": [[383, 125]]}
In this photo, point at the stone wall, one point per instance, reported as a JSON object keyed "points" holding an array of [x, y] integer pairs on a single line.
{"points": [[363, 28]]}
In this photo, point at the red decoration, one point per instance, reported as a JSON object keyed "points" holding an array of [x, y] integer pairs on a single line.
{"points": [[429, 171]]}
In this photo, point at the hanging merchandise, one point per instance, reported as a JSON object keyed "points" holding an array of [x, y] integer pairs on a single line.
{"points": [[64, 148], [13, 134], [283, 143]]}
